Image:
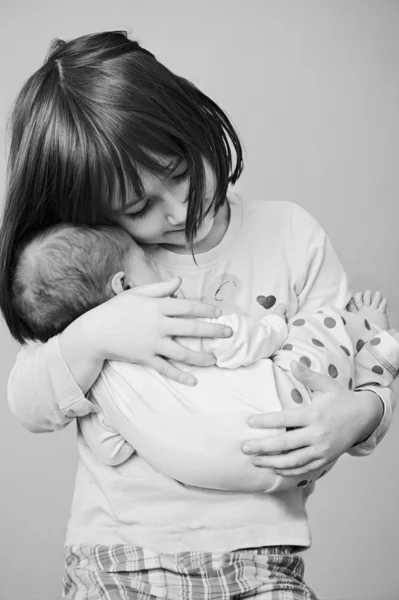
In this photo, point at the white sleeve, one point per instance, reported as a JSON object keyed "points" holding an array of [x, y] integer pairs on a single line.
{"points": [[318, 276], [251, 341], [42, 392]]}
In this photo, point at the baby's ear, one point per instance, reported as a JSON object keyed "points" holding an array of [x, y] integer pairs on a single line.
{"points": [[118, 283]]}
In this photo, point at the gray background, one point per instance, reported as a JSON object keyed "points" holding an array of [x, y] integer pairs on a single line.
{"points": [[313, 88]]}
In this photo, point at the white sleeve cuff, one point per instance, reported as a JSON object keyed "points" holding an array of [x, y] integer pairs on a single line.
{"points": [[368, 446], [68, 395]]}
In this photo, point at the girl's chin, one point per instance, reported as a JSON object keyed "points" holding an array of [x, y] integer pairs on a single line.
{"points": [[175, 238], [178, 238]]}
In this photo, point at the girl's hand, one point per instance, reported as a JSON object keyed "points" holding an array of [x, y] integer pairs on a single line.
{"points": [[317, 434], [139, 325]]}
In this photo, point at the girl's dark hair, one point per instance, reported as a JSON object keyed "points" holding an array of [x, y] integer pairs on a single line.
{"points": [[100, 107]]}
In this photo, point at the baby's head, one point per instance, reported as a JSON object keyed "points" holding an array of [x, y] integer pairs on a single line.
{"points": [[67, 270]]}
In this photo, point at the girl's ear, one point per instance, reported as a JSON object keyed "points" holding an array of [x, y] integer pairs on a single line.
{"points": [[118, 283]]}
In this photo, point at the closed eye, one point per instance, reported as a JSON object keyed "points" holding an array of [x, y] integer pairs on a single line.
{"points": [[181, 176], [179, 171], [140, 213]]}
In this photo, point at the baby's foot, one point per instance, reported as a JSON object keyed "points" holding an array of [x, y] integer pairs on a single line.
{"points": [[281, 310], [372, 306]]}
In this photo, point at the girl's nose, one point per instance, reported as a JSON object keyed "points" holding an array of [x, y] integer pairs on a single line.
{"points": [[177, 213]]}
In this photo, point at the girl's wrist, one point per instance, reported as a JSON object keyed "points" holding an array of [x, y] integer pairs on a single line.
{"points": [[370, 413]]}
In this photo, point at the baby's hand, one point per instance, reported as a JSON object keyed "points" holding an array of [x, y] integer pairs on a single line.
{"points": [[281, 310]]}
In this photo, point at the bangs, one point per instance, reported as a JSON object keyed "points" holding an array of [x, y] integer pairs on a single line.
{"points": [[121, 174], [138, 115], [100, 120], [159, 147]]}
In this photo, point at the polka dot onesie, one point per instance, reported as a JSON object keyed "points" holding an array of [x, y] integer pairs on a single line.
{"points": [[340, 344]]}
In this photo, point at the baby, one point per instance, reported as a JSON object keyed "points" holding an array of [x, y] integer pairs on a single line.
{"points": [[194, 434]]}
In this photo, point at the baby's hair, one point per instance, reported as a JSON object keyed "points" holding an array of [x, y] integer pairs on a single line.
{"points": [[62, 272], [100, 107]]}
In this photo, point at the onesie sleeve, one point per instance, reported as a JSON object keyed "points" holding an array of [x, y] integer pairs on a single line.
{"points": [[106, 443], [251, 341], [42, 392], [318, 278]]}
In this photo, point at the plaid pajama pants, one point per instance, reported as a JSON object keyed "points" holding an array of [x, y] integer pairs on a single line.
{"points": [[132, 573]]}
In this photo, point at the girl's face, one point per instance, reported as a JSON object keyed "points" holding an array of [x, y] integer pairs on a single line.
{"points": [[160, 217]]}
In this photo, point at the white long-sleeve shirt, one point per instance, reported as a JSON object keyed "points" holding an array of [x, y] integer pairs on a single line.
{"points": [[270, 249]]}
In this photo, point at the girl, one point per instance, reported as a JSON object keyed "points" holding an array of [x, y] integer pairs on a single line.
{"points": [[104, 133]]}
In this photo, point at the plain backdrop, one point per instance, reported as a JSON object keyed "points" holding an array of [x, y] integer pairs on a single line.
{"points": [[313, 88]]}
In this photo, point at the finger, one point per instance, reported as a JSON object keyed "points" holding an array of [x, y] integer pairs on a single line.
{"points": [[178, 307], [162, 289], [312, 466], [375, 302], [164, 368], [281, 442], [292, 460], [174, 351], [359, 300], [367, 298], [297, 417], [197, 328], [313, 380]]}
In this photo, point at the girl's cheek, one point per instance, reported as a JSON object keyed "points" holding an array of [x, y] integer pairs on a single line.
{"points": [[210, 185], [144, 231]]}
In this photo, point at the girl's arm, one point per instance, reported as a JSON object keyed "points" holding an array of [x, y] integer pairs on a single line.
{"points": [[338, 420], [48, 383], [320, 279], [42, 392]]}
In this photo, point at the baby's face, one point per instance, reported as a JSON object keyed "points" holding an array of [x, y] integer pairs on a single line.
{"points": [[138, 269]]}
